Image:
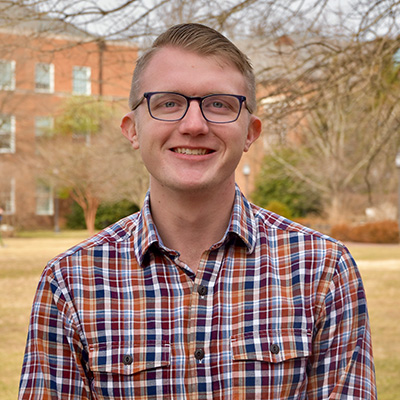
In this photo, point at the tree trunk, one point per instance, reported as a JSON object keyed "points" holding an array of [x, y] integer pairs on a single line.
{"points": [[89, 204], [335, 211], [90, 214]]}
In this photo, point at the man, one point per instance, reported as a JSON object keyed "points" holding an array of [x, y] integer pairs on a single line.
{"points": [[201, 294]]}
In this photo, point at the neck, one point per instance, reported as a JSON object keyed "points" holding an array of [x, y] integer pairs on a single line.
{"points": [[191, 222]]}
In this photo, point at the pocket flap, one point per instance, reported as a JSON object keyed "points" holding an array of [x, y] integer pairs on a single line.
{"points": [[129, 358], [272, 346]]}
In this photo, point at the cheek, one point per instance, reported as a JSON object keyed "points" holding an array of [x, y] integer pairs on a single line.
{"points": [[243, 143]]}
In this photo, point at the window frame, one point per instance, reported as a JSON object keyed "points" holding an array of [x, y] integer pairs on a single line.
{"points": [[11, 84], [44, 195], [11, 133], [8, 199], [50, 72], [78, 83], [40, 129]]}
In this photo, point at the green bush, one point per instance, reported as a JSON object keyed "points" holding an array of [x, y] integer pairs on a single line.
{"points": [[107, 214], [273, 184], [279, 208], [75, 218]]}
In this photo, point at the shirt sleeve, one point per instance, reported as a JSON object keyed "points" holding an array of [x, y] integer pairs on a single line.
{"points": [[342, 364], [54, 361]]}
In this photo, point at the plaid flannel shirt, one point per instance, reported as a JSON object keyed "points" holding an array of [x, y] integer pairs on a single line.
{"points": [[275, 311]]}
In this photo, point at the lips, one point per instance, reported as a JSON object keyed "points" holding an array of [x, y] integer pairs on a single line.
{"points": [[191, 152]]}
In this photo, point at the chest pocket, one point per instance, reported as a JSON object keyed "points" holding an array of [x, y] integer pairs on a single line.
{"points": [[130, 370], [272, 362], [272, 346], [128, 359]]}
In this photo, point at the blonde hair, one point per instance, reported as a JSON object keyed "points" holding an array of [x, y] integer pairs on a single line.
{"points": [[202, 40]]}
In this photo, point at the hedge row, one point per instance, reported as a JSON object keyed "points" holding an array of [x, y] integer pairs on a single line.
{"points": [[371, 232]]}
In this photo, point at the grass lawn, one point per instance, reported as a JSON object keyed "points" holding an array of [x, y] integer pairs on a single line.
{"points": [[22, 261]]}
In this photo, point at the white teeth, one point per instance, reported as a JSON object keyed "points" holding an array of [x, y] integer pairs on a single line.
{"points": [[196, 152]]}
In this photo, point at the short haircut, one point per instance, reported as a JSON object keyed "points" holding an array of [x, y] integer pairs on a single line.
{"points": [[201, 40]]}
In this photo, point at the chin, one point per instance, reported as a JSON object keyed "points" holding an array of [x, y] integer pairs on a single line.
{"points": [[191, 186]]}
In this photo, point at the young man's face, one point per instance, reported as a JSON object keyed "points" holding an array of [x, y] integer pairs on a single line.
{"points": [[191, 154]]}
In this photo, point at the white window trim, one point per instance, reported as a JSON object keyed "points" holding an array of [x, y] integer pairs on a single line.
{"points": [[12, 198], [396, 58], [12, 86], [9, 206], [37, 129], [11, 150], [51, 78], [88, 89], [50, 210]]}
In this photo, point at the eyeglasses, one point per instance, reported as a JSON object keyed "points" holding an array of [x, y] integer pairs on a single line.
{"points": [[171, 106]]}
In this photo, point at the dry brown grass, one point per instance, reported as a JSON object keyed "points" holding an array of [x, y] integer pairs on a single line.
{"points": [[382, 284], [22, 261], [21, 264]]}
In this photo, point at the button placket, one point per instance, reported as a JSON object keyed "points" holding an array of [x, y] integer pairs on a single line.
{"points": [[203, 307]]}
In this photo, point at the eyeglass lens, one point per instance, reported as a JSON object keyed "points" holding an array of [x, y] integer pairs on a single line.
{"points": [[215, 108]]}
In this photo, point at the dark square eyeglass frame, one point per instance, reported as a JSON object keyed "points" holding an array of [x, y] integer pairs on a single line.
{"points": [[148, 95]]}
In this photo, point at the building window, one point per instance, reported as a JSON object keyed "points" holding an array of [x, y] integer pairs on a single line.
{"points": [[84, 138], [44, 199], [7, 75], [43, 126], [81, 81], [396, 58], [44, 78], [7, 134], [7, 195]]}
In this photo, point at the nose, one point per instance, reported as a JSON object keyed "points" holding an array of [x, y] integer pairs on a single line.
{"points": [[193, 122]]}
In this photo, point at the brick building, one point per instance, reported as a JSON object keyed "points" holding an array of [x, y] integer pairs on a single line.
{"points": [[43, 63]]}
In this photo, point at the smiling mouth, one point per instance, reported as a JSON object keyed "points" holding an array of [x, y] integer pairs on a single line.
{"points": [[192, 152]]}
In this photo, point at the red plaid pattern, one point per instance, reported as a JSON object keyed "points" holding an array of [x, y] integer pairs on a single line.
{"points": [[276, 311]]}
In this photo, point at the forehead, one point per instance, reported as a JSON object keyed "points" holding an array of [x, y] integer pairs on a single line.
{"points": [[172, 68]]}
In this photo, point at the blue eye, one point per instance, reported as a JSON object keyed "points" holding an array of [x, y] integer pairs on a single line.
{"points": [[217, 104]]}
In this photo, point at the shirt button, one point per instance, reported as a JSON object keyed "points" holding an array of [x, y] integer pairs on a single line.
{"points": [[202, 290], [127, 359], [274, 348], [199, 354]]}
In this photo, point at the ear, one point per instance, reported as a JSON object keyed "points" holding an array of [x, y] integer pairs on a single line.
{"points": [[128, 129], [253, 131]]}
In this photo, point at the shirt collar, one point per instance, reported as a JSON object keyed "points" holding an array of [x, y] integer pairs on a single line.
{"points": [[242, 225], [146, 233]]}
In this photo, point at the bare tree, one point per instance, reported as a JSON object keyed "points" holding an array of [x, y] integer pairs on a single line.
{"points": [[87, 155], [323, 67], [339, 98]]}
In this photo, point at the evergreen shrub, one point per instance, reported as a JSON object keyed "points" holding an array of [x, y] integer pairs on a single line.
{"points": [[107, 214]]}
